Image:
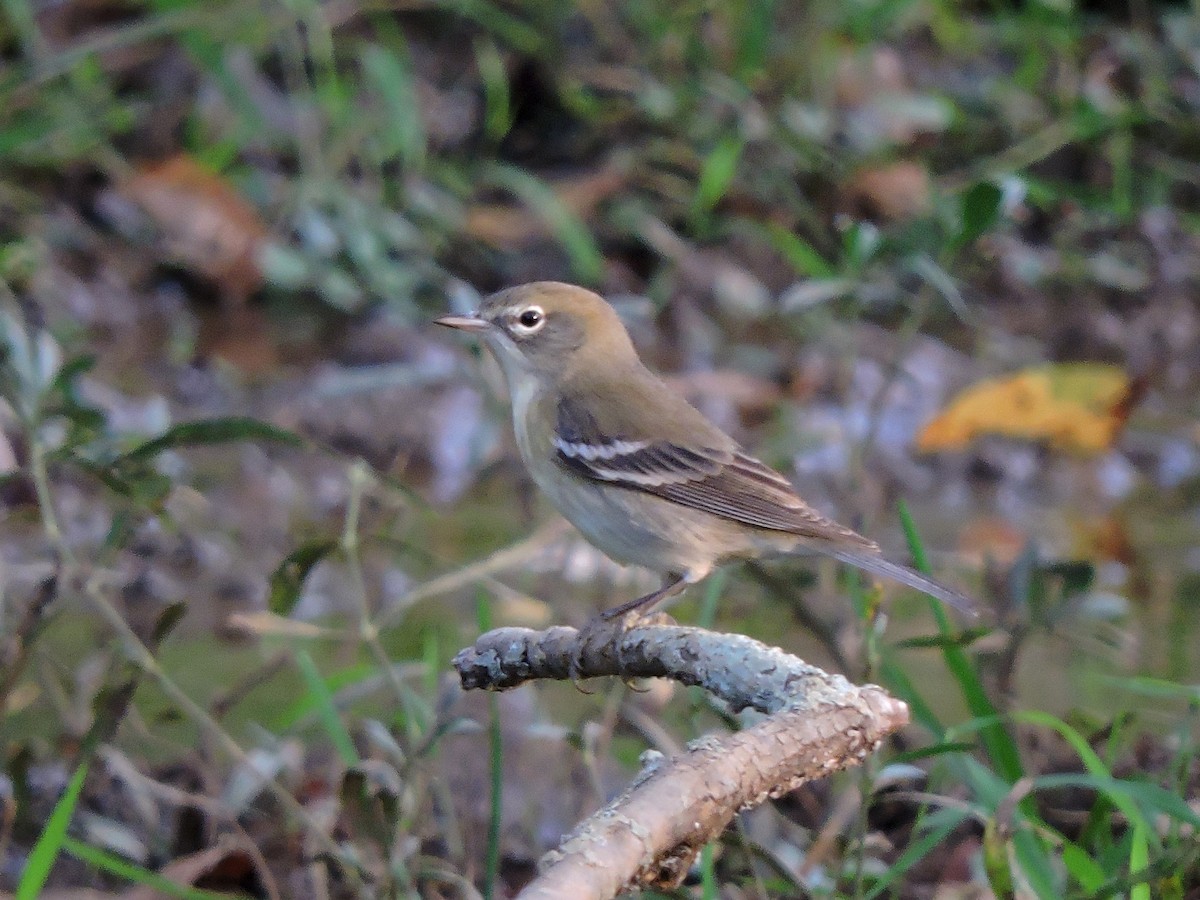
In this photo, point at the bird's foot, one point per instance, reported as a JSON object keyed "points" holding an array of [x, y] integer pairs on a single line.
{"points": [[606, 629], [598, 628]]}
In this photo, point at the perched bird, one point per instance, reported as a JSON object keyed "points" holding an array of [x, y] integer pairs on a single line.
{"points": [[638, 470]]}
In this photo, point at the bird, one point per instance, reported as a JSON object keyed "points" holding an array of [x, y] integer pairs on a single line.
{"points": [[641, 473]]}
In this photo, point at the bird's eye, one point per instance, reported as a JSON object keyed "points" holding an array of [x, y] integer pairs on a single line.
{"points": [[531, 318]]}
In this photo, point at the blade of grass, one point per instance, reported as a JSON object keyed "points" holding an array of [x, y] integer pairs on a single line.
{"points": [[1156, 799], [712, 594], [996, 740], [1139, 860], [497, 99], [50, 842], [115, 865], [802, 255], [304, 704], [322, 699], [568, 228], [716, 174], [211, 431], [897, 679], [1085, 870], [400, 131], [709, 889], [939, 825]]}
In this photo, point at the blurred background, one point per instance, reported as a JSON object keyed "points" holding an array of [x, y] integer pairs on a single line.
{"points": [[938, 262]]}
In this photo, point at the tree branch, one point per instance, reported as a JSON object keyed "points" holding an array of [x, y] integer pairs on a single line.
{"points": [[815, 723]]}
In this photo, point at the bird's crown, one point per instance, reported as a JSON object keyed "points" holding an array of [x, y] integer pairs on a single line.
{"points": [[558, 324]]}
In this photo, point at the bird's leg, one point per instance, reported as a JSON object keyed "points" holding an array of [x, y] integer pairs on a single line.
{"points": [[672, 586], [602, 623]]}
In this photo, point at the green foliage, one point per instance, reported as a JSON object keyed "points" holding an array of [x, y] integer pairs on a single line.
{"points": [[114, 865], [50, 841], [287, 581], [738, 128], [1019, 847]]}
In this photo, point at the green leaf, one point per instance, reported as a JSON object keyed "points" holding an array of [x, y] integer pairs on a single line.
{"points": [[1085, 870], [567, 227], [937, 827], [399, 128], [754, 39], [497, 99], [802, 255], [910, 756], [996, 739], [322, 698], [166, 622], [211, 431], [1156, 799], [979, 210], [50, 841], [287, 581], [941, 641], [115, 865], [1139, 859], [1156, 688], [717, 173]]}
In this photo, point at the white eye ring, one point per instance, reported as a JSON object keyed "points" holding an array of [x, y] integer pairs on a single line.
{"points": [[529, 320]]}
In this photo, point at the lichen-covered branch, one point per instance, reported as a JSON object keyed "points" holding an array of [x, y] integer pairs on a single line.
{"points": [[816, 723]]}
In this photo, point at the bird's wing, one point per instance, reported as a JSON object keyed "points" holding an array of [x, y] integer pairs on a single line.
{"points": [[713, 475]]}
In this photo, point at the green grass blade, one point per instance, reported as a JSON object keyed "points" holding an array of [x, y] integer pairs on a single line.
{"points": [[567, 227], [1139, 860], [938, 826], [1036, 865], [709, 889], [322, 699], [897, 679], [1079, 863], [802, 255], [115, 865], [716, 174], [206, 432], [1155, 799], [998, 743], [400, 129], [50, 842]]}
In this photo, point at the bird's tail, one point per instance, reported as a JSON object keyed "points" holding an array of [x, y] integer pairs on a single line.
{"points": [[878, 565]]}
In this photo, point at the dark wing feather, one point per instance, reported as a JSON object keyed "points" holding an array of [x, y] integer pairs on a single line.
{"points": [[722, 481]]}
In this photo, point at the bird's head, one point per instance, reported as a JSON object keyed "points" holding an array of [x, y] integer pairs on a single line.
{"points": [[550, 330]]}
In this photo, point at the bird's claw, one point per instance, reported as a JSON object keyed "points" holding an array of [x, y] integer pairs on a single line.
{"points": [[610, 625]]}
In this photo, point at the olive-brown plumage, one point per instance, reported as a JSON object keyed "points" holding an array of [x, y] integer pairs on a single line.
{"points": [[637, 469]]}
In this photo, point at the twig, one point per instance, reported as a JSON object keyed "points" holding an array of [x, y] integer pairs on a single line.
{"points": [[816, 723]]}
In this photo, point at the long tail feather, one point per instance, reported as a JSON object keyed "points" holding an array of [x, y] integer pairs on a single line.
{"points": [[878, 565]]}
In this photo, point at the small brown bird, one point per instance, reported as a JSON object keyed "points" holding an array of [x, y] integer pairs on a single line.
{"points": [[637, 469]]}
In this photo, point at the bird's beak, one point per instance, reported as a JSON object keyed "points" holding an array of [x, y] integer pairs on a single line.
{"points": [[463, 323]]}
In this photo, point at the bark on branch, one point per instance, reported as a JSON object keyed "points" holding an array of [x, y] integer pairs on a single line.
{"points": [[816, 723]]}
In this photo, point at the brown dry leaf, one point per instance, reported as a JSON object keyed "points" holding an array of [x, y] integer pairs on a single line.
{"points": [[1079, 407], [267, 624], [512, 227], [898, 191], [215, 869], [208, 225]]}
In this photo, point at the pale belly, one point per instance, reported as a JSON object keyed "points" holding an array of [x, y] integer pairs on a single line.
{"points": [[630, 526], [643, 530]]}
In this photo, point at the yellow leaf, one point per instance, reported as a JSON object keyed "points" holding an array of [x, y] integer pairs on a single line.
{"points": [[1079, 407]]}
